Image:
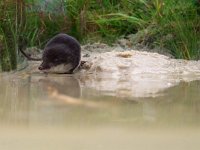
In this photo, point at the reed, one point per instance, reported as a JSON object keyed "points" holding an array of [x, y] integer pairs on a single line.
{"points": [[8, 31]]}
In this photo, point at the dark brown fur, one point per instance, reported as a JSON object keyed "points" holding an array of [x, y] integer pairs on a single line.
{"points": [[61, 49]]}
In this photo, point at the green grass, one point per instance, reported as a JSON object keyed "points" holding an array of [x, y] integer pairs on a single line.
{"points": [[170, 24], [8, 30], [178, 25]]}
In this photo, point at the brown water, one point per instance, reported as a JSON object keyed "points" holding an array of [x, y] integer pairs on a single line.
{"points": [[60, 112]]}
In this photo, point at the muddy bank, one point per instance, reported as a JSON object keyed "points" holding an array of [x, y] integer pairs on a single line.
{"points": [[136, 73], [137, 62], [128, 73]]}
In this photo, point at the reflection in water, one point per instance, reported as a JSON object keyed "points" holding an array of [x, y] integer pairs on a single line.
{"points": [[27, 101], [59, 100], [67, 85]]}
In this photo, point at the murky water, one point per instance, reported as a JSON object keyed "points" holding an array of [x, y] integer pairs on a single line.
{"points": [[50, 112]]}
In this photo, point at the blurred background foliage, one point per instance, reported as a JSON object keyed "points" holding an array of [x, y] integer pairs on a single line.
{"points": [[170, 24]]}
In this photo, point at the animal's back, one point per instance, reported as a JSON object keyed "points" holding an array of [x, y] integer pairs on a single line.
{"points": [[63, 39], [68, 43]]}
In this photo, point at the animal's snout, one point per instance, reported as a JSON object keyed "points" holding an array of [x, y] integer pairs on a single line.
{"points": [[40, 67], [44, 66]]}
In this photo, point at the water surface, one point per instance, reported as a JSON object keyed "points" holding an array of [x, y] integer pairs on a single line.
{"points": [[49, 112]]}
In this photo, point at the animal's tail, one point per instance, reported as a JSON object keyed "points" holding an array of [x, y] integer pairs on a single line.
{"points": [[29, 57], [22, 46]]}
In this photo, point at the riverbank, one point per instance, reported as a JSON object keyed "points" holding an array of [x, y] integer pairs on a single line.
{"points": [[126, 72]]}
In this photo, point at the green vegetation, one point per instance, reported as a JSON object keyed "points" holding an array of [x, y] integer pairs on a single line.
{"points": [[170, 24]]}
